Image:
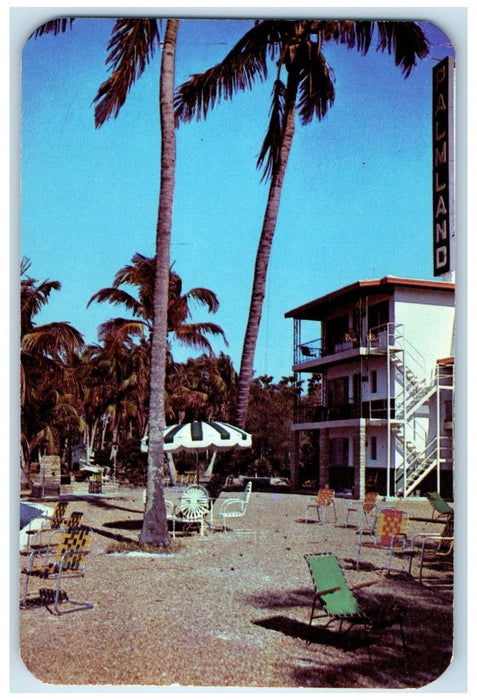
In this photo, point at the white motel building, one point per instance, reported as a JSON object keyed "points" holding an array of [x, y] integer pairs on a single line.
{"points": [[379, 355]]}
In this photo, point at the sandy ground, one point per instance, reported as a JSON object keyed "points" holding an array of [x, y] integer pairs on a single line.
{"points": [[232, 609]]}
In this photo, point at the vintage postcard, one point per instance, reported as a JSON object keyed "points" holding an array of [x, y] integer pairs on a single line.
{"points": [[237, 412]]}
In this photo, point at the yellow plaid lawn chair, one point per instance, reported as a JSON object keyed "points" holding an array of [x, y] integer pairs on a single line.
{"points": [[51, 522], [66, 560], [47, 544]]}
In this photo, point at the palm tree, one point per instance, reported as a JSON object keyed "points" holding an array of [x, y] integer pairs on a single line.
{"points": [[114, 372], [132, 45], [296, 47], [48, 386], [141, 274], [154, 529]]}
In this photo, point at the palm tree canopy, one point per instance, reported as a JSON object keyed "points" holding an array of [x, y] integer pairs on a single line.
{"points": [[296, 46], [140, 274], [132, 46]]}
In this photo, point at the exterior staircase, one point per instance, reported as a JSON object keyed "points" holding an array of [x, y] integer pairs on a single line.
{"points": [[420, 456]]}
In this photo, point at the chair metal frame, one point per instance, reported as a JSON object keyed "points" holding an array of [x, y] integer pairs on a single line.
{"points": [[441, 546], [322, 501], [390, 534], [235, 507], [50, 522], [338, 602], [66, 560], [365, 508], [192, 509]]}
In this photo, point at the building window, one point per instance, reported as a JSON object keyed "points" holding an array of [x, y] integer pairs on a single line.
{"points": [[339, 452], [338, 391], [374, 448], [374, 381], [448, 411]]}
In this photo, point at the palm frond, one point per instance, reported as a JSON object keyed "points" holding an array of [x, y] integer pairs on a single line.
{"points": [[354, 34], [56, 340], [132, 46], [204, 297], [120, 331], [238, 71], [55, 26], [116, 297], [406, 41], [269, 156], [316, 90], [193, 335]]}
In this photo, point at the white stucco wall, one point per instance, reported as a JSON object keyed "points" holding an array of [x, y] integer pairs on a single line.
{"points": [[428, 320]]}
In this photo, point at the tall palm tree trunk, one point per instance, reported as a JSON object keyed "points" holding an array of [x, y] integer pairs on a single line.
{"points": [[154, 530], [261, 266]]}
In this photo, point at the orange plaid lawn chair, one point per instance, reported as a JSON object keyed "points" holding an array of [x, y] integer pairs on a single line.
{"points": [[324, 499], [390, 533], [366, 509]]}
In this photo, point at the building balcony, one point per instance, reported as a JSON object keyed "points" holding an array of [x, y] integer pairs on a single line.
{"points": [[317, 353], [370, 410]]}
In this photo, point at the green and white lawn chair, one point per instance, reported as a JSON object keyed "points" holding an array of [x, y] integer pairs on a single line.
{"points": [[339, 605], [440, 508]]}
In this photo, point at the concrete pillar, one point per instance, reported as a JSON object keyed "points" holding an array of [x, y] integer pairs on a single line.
{"points": [[359, 460], [295, 459], [324, 475]]}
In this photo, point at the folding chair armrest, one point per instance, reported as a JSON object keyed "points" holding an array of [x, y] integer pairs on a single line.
{"points": [[365, 584], [327, 591], [63, 561], [353, 505], [428, 537], [232, 502], [396, 536]]}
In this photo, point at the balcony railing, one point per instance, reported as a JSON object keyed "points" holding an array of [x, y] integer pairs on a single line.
{"points": [[377, 410], [321, 414]]}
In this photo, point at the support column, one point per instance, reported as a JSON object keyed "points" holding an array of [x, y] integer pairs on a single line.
{"points": [[359, 460], [324, 474], [295, 459]]}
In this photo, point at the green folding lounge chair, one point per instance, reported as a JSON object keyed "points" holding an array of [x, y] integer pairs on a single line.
{"points": [[338, 603], [440, 508]]}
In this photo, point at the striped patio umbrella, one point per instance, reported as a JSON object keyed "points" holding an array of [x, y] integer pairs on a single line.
{"points": [[200, 436]]}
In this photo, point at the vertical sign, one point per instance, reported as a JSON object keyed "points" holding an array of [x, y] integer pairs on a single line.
{"points": [[443, 167]]}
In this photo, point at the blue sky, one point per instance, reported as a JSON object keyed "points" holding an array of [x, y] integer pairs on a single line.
{"points": [[356, 201]]}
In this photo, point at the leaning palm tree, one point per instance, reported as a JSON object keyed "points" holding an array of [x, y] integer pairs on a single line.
{"points": [[132, 46], [296, 48]]}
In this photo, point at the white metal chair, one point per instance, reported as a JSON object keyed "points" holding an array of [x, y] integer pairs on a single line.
{"points": [[193, 507], [235, 507]]}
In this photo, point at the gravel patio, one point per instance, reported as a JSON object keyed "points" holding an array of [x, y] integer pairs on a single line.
{"points": [[232, 609]]}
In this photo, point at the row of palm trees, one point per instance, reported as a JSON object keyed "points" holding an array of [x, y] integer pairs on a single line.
{"points": [[75, 392], [303, 83], [98, 393]]}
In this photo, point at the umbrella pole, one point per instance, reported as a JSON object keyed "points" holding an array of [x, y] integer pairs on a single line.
{"points": [[197, 466]]}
